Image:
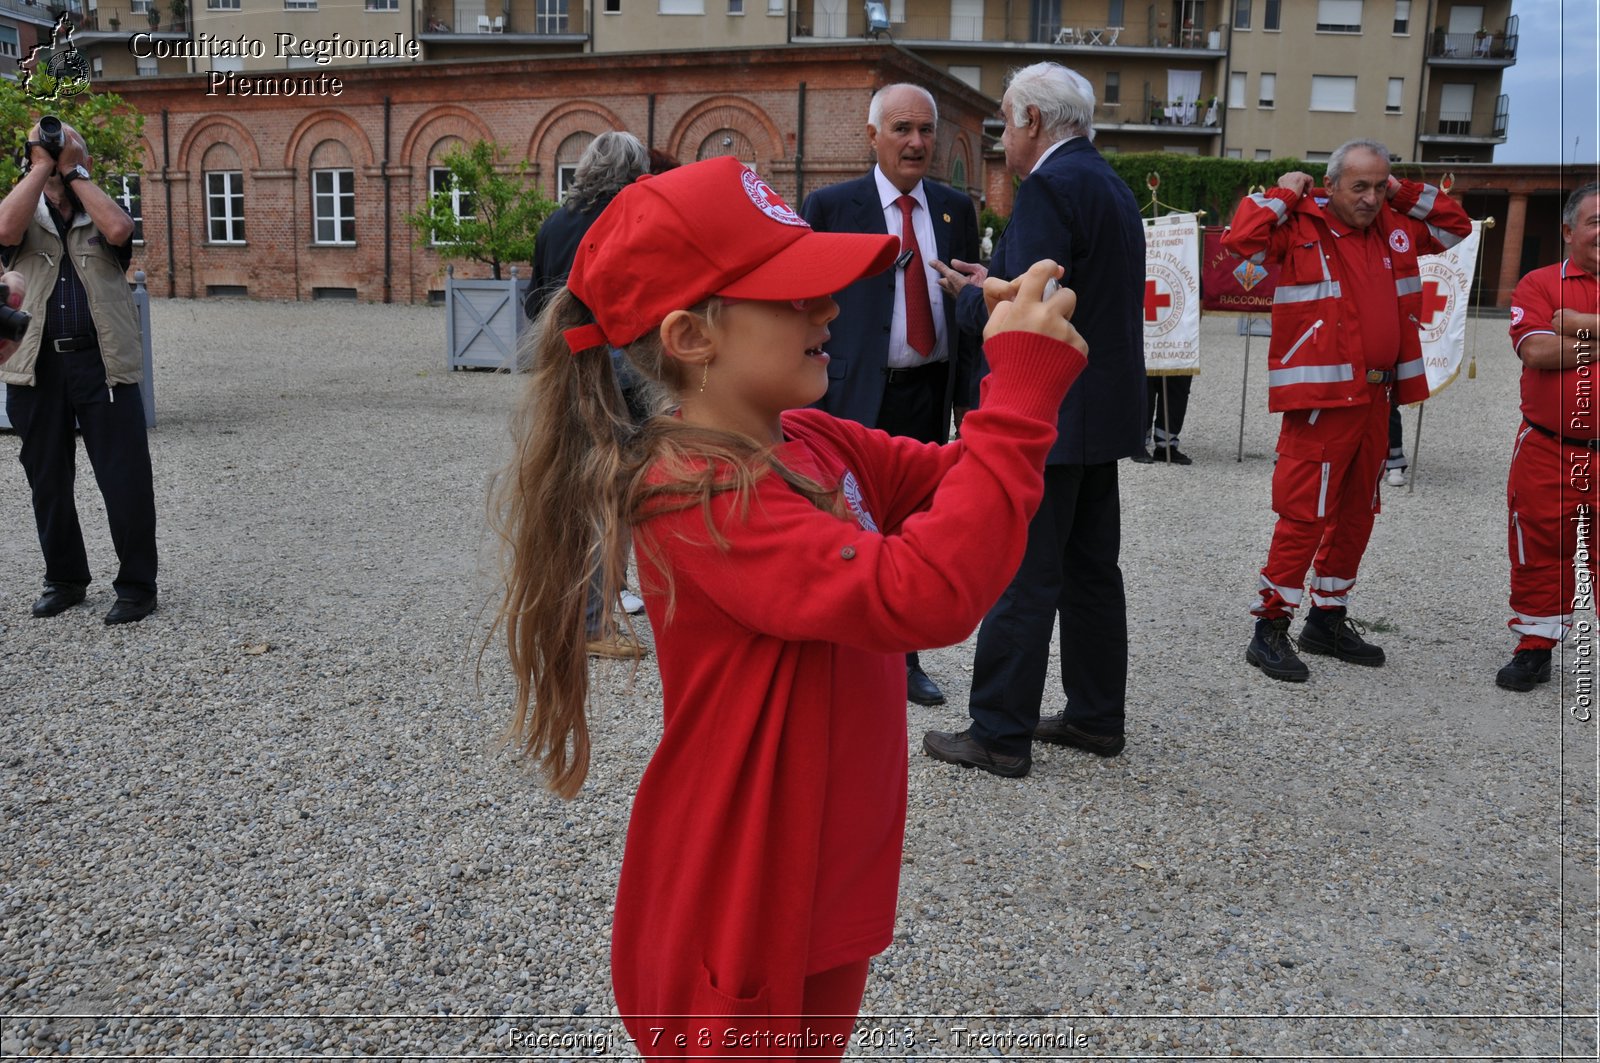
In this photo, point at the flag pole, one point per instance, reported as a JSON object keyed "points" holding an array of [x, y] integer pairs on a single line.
{"points": [[1244, 382]]}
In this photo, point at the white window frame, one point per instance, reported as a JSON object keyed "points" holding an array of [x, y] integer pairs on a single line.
{"points": [[299, 5], [139, 7], [680, 7], [778, 7], [222, 5], [10, 45], [551, 16], [1241, 15], [383, 5], [459, 200], [147, 66], [231, 198], [1398, 6], [1238, 89], [735, 7], [1333, 16], [613, 7], [1272, 16], [335, 207], [1333, 92], [1263, 100], [1105, 92], [131, 199], [1394, 101], [566, 172]]}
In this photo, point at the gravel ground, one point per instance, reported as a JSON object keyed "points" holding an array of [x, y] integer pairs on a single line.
{"points": [[273, 820]]}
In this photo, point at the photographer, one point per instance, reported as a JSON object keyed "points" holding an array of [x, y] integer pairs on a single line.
{"points": [[79, 360]]}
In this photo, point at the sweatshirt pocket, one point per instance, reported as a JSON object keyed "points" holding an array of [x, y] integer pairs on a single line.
{"points": [[1306, 337], [720, 1020]]}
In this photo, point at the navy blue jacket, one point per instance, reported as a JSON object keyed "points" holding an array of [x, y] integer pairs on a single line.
{"points": [[1076, 210], [858, 351]]}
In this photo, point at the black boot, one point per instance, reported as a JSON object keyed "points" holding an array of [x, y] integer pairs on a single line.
{"points": [[1331, 633], [1526, 668], [1273, 653]]}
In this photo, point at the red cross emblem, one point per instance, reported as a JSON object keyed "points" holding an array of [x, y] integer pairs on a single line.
{"points": [[1433, 302], [1155, 300]]}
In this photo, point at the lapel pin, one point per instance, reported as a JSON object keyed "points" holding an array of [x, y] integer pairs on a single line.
{"points": [[947, 217]]}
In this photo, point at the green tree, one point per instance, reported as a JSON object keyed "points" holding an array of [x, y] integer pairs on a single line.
{"points": [[110, 128], [500, 211]]}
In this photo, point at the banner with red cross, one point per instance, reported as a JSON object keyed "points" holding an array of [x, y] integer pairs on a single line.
{"points": [[1172, 295], [1446, 286]]}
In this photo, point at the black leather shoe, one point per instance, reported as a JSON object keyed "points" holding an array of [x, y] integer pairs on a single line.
{"points": [[961, 748], [1526, 668], [1058, 732], [58, 598], [1331, 633], [920, 689], [1272, 652], [1142, 456], [1170, 454], [131, 610]]}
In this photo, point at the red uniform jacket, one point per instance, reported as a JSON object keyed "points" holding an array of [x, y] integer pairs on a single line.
{"points": [[766, 835], [1315, 357]]}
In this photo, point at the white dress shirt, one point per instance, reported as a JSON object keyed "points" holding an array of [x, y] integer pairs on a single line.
{"points": [[902, 355]]}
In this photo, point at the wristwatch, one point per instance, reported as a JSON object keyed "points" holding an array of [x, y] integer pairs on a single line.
{"points": [[74, 174]]}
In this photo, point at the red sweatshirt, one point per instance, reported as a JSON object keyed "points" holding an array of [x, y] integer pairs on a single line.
{"points": [[765, 842]]}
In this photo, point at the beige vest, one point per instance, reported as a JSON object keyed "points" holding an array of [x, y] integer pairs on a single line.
{"points": [[38, 259]]}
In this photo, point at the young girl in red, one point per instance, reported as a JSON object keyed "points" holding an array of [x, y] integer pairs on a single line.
{"points": [[788, 561]]}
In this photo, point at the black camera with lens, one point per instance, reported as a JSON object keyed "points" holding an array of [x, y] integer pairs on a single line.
{"points": [[13, 323], [51, 137]]}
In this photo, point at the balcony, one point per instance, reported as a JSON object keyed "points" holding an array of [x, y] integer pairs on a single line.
{"points": [[1153, 115], [497, 24], [1468, 127], [941, 31], [1474, 49]]}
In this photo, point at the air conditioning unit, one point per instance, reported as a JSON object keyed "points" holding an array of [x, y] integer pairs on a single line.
{"points": [[877, 18]]}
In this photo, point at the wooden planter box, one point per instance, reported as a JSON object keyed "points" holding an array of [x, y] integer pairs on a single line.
{"points": [[484, 321]]}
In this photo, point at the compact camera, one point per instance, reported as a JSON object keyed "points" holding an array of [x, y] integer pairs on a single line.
{"points": [[13, 323]]}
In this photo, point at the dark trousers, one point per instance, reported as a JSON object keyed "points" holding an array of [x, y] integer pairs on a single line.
{"points": [[1168, 401], [73, 386], [1068, 569], [913, 405]]}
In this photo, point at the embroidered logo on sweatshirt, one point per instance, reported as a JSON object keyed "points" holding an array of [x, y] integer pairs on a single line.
{"points": [[1399, 241], [852, 498]]}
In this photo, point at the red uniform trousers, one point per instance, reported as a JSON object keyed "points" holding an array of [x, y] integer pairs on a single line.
{"points": [[1550, 490], [1325, 492]]}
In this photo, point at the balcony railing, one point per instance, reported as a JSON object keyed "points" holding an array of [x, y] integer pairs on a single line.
{"points": [[522, 19], [995, 29], [1472, 46], [1473, 125]]}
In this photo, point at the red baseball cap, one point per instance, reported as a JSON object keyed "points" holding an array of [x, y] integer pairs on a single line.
{"points": [[672, 240]]}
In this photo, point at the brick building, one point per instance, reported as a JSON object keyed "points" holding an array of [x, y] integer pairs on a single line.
{"points": [[301, 194]]}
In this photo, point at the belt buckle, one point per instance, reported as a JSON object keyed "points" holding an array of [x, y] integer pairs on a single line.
{"points": [[59, 349], [1377, 376]]}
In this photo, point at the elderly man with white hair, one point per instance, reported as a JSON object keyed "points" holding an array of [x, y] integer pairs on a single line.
{"points": [[1072, 208]]}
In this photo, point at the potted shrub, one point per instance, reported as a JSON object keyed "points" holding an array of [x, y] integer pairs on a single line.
{"points": [[154, 16], [500, 213]]}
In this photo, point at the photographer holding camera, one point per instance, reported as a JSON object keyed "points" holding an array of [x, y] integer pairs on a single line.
{"points": [[79, 360]]}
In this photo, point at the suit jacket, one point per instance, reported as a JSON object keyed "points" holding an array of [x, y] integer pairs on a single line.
{"points": [[554, 248], [1076, 210], [858, 351]]}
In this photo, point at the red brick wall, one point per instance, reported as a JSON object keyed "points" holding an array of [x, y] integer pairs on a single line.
{"points": [[527, 106]]}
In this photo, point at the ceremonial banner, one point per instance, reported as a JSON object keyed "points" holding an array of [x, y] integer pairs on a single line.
{"points": [[1235, 285], [1172, 295], [1446, 286]]}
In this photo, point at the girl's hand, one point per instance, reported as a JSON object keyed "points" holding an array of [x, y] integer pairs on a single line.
{"points": [[1034, 302]]}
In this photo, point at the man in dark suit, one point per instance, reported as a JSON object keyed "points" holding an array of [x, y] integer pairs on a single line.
{"points": [[897, 359], [1070, 207]]}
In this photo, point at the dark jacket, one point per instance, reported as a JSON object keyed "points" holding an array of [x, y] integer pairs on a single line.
{"points": [[554, 248], [1076, 210], [858, 351]]}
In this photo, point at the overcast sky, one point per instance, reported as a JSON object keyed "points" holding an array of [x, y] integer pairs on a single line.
{"points": [[1557, 59]]}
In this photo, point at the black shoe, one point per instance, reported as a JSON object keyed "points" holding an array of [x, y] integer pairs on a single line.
{"points": [[1272, 652], [1058, 732], [961, 748], [58, 598], [1142, 456], [131, 610], [1172, 455], [1526, 668], [1331, 633], [920, 689]]}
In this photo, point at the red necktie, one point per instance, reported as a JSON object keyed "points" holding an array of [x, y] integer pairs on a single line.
{"points": [[919, 310]]}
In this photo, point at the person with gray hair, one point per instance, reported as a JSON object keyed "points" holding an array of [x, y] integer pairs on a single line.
{"points": [[1552, 491], [612, 161], [1345, 340], [1071, 208], [897, 360]]}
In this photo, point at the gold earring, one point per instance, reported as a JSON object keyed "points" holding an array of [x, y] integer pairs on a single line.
{"points": [[705, 371]]}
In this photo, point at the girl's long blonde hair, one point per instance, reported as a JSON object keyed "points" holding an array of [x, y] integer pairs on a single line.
{"points": [[582, 473]]}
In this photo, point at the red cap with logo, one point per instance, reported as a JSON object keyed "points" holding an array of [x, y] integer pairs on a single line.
{"points": [[670, 241]]}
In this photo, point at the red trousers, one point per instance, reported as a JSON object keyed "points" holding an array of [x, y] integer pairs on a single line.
{"points": [[1550, 492], [1325, 492], [832, 1000]]}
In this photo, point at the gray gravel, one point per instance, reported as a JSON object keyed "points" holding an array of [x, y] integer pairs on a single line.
{"points": [[273, 819]]}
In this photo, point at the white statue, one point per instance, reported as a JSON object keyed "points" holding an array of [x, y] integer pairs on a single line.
{"points": [[986, 245]]}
